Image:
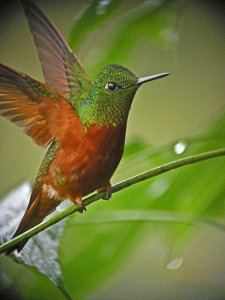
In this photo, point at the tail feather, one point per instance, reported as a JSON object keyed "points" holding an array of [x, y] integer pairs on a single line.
{"points": [[38, 208]]}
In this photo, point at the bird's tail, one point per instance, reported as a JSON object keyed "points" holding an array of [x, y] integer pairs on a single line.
{"points": [[39, 207]]}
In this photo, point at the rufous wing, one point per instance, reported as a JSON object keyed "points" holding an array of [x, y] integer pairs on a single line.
{"points": [[32, 105], [21, 98]]}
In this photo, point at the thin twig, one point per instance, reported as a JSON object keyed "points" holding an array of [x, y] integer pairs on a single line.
{"points": [[115, 188]]}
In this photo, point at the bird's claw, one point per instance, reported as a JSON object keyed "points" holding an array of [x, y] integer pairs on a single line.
{"points": [[108, 193], [81, 207]]}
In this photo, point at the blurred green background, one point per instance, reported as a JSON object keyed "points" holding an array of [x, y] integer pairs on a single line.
{"points": [[185, 38]]}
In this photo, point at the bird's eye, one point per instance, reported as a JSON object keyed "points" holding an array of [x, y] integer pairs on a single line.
{"points": [[111, 86]]}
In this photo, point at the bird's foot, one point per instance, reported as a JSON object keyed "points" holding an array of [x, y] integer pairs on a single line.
{"points": [[80, 203], [81, 208], [108, 192]]}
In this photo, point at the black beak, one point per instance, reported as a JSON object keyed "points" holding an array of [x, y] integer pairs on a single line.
{"points": [[150, 78]]}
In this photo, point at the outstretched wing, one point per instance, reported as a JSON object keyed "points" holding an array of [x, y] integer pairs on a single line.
{"points": [[27, 103], [61, 68]]}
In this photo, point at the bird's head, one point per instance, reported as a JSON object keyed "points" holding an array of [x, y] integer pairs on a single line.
{"points": [[111, 95]]}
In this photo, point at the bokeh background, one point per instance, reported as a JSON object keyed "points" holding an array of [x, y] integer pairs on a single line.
{"points": [[185, 38]]}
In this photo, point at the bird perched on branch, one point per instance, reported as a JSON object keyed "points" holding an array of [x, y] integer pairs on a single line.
{"points": [[83, 121]]}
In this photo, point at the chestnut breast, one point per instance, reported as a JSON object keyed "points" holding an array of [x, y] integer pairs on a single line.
{"points": [[84, 165]]}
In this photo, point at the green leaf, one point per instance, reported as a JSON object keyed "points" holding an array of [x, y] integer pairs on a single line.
{"points": [[92, 16], [154, 21]]}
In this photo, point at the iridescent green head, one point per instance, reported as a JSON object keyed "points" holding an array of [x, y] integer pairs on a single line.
{"points": [[111, 96]]}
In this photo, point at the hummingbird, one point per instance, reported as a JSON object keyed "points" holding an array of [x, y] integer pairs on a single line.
{"points": [[83, 122]]}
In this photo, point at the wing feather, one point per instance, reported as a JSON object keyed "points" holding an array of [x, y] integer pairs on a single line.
{"points": [[61, 68], [29, 104]]}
